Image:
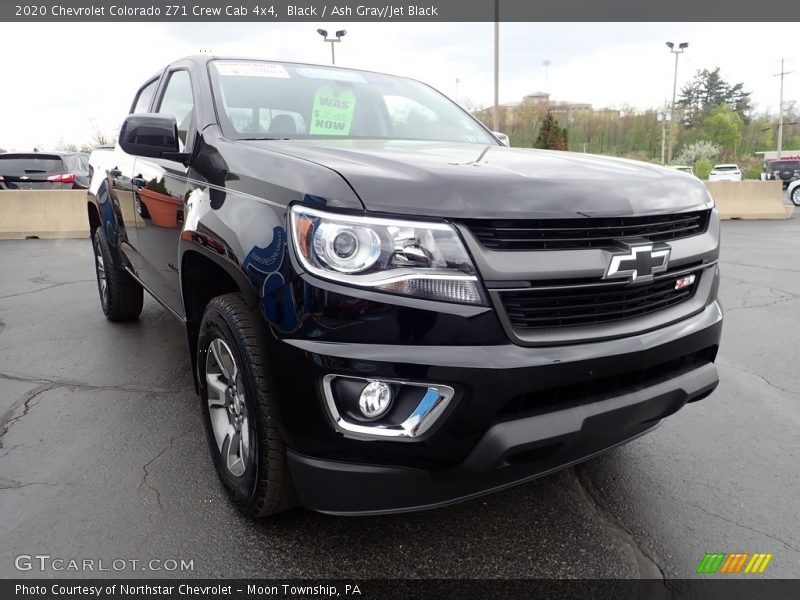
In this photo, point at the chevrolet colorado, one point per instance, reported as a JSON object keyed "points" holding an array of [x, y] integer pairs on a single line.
{"points": [[387, 309]]}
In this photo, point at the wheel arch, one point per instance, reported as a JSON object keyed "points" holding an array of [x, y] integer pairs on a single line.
{"points": [[206, 275], [94, 217]]}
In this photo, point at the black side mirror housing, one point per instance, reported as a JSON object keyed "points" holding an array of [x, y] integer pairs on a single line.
{"points": [[149, 135]]}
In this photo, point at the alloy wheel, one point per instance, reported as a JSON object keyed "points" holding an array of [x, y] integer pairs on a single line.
{"points": [[100, 270], [227, 407]]}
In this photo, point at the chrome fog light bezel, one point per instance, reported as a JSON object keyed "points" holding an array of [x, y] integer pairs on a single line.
{"points": [[434, 402]]}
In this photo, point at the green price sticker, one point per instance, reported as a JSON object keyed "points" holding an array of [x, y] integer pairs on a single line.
{"points": [[333, 112]]}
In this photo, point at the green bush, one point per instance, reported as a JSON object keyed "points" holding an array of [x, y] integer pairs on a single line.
{"points": [[702, 168], [753, 172]]}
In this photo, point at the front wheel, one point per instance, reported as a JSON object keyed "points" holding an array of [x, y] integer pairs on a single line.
{"points": [[795, 196], [238, 405]]}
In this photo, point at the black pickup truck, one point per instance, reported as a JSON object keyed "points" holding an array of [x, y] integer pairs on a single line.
{"points": [[386, 309]]}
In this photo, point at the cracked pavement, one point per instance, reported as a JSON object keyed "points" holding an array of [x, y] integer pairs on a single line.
{"points": [[103, 453]]}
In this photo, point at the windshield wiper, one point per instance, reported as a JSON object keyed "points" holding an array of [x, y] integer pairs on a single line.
{"points": [[263, 138]]}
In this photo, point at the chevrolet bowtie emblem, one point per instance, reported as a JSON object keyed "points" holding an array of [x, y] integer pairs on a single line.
{"points": [[640, 264]]}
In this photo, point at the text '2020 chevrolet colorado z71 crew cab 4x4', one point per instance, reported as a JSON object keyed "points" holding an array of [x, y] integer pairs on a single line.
{"points": [[387, 309]]}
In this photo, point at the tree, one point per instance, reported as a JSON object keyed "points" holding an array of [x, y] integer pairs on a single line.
{"points": [[551, 135], [701, 150], [61, 145], [724, 126], [707, 91], [702, 168]]}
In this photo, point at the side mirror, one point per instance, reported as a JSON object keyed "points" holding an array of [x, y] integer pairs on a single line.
{"points": [[149, 135], [502, 138]]}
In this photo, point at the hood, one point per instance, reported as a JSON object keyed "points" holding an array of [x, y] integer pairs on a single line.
{"points": [[441, 179]]}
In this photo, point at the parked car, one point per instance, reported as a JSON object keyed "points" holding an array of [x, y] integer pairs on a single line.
{"points": [[684, 169], [794, 192], [44, 171], [783, 170], [386, 308], [725, 173]]}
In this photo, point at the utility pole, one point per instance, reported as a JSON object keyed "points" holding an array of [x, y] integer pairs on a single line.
{"points": [[663, 116], [681, 47], [546, 63], [782, 74], [496, 112]]}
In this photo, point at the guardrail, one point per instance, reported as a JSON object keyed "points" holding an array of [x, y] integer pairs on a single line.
{"points": [[749, 199], [62, 213], [43, 213]]}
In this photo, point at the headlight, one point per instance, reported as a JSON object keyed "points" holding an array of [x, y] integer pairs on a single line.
{"points": [[426, 260]]}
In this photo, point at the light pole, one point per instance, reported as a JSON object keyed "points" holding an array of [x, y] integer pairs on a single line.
{"points": [[496, 111], [339, 35], [681, 47], [663, 117]]}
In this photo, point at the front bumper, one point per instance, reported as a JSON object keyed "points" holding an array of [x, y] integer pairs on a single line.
{"points": [[497, 433], [508, 454]]}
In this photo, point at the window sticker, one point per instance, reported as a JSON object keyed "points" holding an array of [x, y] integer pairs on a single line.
{"points": [[333, 112], [378, 79], [255, 69], [329, 74]]}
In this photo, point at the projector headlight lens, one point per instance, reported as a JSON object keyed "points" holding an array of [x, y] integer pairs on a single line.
{"points": [[426, 260]]}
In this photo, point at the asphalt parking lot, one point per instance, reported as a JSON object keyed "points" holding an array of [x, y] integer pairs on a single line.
{"points": [[103, 453]]}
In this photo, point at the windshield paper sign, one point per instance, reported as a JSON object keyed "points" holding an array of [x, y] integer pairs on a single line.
{"points": [[333, 112]]}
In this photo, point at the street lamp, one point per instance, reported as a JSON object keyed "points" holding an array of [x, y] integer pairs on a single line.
{"points": [[681, 47], [339, 35], [663, 117]]}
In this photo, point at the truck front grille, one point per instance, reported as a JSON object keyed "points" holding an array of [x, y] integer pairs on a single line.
{"points": [[567, 234], [565, 306]]}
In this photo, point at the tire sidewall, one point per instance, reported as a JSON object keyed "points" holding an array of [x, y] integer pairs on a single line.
{"points": [[215, 325], [794, 196]]}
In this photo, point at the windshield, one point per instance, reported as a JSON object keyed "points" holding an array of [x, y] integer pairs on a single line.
{"points": [[264, 100], [22, 164]]}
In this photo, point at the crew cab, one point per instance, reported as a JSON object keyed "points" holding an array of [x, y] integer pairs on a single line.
{"points": [[386, 309]]}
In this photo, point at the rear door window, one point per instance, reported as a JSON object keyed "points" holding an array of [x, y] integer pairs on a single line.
{"points": [[70, 161]]}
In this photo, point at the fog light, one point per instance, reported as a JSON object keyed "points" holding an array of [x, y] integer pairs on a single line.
{"points": [[375, 399]]}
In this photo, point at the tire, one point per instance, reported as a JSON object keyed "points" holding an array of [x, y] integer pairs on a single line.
{"points": [[121, 296], [237, 398], [795, 196]]}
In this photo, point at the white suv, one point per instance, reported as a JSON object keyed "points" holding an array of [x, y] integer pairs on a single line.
{"points": [[725, 173], [794, 192]]}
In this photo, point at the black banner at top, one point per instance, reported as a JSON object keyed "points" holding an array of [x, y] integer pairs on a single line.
{"points": [[275, 11]]}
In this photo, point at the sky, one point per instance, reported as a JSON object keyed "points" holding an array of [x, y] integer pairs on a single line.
{"points": [[60, 80]]}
